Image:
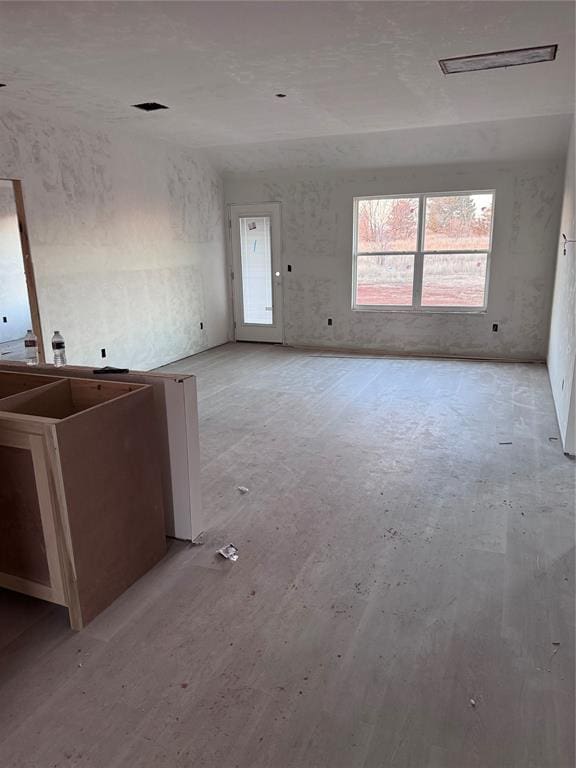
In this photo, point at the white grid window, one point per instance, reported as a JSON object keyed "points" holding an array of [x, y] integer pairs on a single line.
{"points": [[423, 252], [255, 249]]}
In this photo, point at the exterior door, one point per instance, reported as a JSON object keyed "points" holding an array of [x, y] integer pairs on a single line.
{"points": [[256, 272]]}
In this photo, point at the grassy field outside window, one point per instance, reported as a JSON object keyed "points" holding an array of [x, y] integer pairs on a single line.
{"points": [[422, 251]]}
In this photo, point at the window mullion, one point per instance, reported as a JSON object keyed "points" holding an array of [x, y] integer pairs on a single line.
{"points": [[419, 257]]}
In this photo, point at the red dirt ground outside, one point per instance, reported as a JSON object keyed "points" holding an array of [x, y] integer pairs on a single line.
{"points": [[434, 295]]}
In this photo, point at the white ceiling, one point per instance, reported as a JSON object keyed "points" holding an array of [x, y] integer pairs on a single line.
{"points": [[347, 68]]}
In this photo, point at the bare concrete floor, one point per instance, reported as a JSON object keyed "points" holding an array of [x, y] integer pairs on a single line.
{"points": [[404, 596]]}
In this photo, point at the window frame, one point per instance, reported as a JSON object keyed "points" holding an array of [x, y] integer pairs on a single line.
{"points": [[419, 255]]}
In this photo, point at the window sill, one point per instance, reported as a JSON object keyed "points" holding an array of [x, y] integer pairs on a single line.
{"points": [[423, 310]]}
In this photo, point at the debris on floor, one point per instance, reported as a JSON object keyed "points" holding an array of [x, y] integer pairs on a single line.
{"points": [[552, 438], [243, 489], [472, 702], [230, 552], [506, 443], [200, 539]]}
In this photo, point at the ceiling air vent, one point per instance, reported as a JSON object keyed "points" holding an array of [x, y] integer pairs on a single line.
{"points": [[498, 59], [149, 106]]}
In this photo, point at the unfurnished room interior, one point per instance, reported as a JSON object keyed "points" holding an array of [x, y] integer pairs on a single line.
{"points": [[287, 384]]}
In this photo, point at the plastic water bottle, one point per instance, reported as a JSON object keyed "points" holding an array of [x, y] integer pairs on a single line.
{"points": [[59, 349], [31, 348]]}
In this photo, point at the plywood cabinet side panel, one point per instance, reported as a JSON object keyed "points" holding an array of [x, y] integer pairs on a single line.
{"points": [[181, 526], [16, 379], [198, 522], [53, 397], [89, 393], [160, 411], [109, 457]]}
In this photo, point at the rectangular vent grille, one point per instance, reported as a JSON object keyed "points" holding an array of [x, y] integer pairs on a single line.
{"points": [[498, 59]]}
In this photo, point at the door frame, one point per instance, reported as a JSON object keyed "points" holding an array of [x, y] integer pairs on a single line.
{"points": [[274, 211], [28, 265]]}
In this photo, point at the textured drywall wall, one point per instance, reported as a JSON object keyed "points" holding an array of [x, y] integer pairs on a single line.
{"points": [[504, 141], [562, 348], [127, 241], [317, 242], [13, 293]]}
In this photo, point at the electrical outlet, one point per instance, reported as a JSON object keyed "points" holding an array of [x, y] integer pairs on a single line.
{"points": [[495, 327], [102, 352]]}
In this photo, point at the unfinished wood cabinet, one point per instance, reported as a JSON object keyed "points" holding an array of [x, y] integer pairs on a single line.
{"points": [[176, 406], [81, 510]]}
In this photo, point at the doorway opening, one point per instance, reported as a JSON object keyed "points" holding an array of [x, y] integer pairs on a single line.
{"points": [[18, 299]]}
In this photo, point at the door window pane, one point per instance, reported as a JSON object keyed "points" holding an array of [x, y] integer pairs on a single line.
{"points": [[256, 255], [387, 224], [384, 280], [458, 222], [454, 280]]}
